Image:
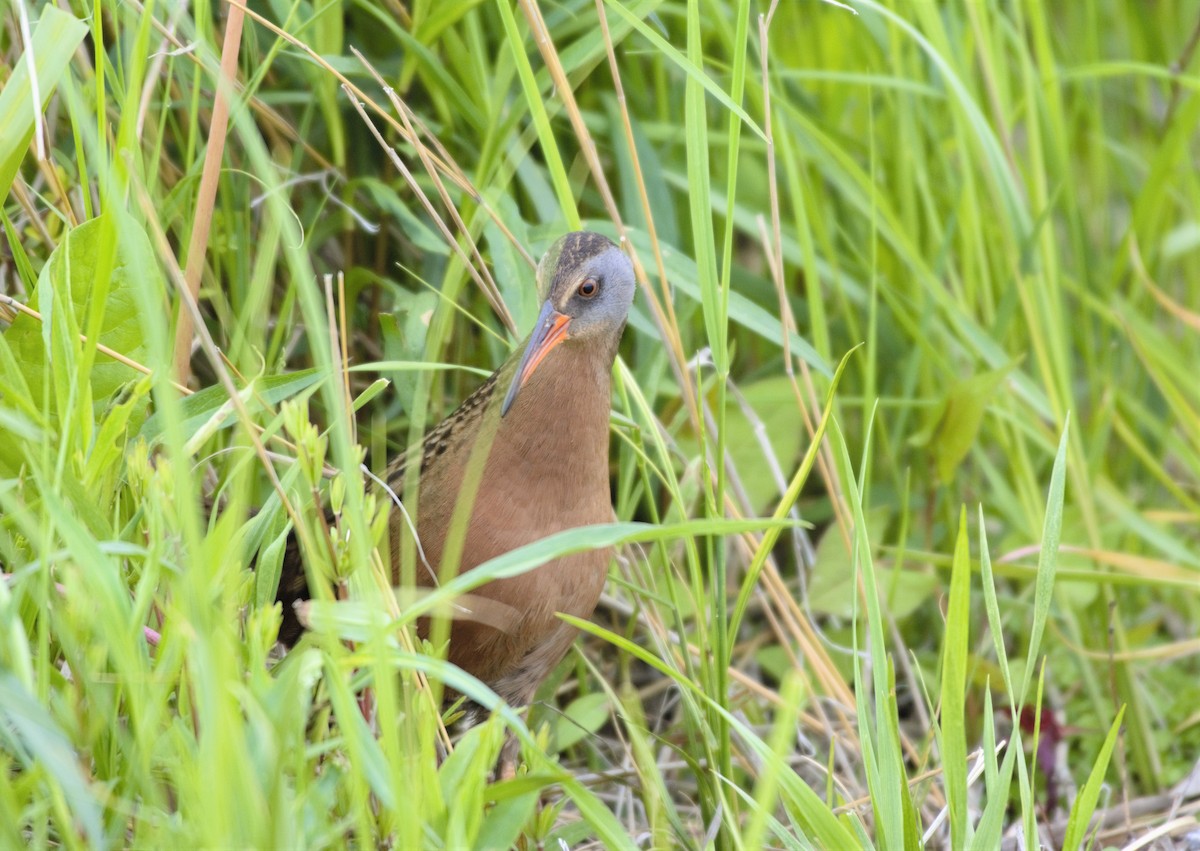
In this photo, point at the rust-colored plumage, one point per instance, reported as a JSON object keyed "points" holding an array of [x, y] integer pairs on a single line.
{"points": [[536, 459]]}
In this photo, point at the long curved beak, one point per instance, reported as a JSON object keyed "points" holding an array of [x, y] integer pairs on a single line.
{"points": [[550, 330]]}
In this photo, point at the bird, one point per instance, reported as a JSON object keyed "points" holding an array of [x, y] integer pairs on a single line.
{"points": [[536, 432]]}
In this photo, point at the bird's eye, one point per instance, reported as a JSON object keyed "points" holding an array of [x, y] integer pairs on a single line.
{"points": [[589, 287]]}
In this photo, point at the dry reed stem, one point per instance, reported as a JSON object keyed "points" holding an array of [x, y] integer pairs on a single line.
{"points": [[206, 195]]}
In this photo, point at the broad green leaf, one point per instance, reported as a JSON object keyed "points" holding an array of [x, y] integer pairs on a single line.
{"points": [[505, 818], [404, 332], [267, 569], [832, 588], [951, 436], [124, 412], [582, 717], [71, 271], [772, 419]]}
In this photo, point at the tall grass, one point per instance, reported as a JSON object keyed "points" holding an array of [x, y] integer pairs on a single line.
{"points": [[905, 432]]}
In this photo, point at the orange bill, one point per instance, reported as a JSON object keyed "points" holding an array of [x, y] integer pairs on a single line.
{"points": [[550, 330]]}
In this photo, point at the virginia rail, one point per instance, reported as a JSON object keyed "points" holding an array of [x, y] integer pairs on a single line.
{"points": [[541, 422]]}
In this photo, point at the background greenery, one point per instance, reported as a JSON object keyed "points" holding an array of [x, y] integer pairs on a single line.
{"points": [[989, 213]]}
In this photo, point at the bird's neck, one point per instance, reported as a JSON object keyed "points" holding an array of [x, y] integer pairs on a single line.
{"points": [[561, 416], [541, 468]]}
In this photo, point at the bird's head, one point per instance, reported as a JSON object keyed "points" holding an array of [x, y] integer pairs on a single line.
{"points": [[588, 284]]}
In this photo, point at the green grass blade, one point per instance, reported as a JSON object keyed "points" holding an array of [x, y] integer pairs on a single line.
{"points": [[1047, 561], [955, 647], [1085, 802]]}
